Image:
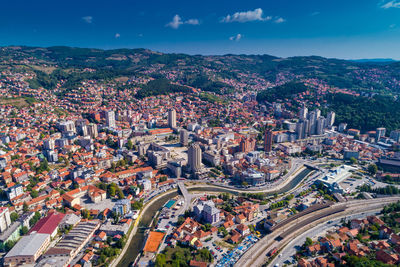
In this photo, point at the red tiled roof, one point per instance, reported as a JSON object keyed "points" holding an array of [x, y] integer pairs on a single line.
{"points": [[48, 224]]}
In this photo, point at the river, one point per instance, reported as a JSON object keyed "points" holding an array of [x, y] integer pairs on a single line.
{"points": [[137, 242]]}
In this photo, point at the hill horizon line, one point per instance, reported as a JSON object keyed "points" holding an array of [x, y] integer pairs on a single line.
{"points": [[357, 60]]}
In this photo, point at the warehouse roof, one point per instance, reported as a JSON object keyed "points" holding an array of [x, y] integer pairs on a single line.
{"points": [[28, 245]]}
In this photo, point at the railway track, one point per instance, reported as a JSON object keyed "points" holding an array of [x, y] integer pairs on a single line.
{"points": [[295, 223]]}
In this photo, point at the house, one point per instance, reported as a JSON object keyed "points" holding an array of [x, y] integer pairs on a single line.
{"points": [[304, 263], [358, 224], [189, 226], [243, 229], [240, 218], [395, 239], [73, 197], [352, 233], [352, 247], [385, 232], [375, 220], [314, 249], [235, 237], [102, 236], [228, 224], [386, 257], [87, 257]]}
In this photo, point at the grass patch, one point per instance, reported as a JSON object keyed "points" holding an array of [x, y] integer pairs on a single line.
{"points": [[47, 70], [212, 98], [17, 102], [224, 244]]}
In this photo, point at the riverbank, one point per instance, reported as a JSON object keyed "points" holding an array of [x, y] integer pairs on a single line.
{"points": [[287, 185], [137, 236]]}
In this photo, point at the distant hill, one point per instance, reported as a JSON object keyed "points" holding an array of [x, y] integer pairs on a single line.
{"points": [[210, 73], [375, 60]]}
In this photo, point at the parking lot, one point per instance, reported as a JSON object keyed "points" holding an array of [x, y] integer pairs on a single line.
{"points": [[229, 258]]}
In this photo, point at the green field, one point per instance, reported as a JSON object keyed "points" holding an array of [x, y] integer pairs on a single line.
{"points": [[18, 102]]}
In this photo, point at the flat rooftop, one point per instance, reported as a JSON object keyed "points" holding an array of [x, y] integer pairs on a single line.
{"points": [[337, 175], [28, 245]]}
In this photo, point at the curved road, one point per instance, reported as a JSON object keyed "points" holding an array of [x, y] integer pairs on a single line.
{"points": [[293, 173], [256, 255], [290, 249]]}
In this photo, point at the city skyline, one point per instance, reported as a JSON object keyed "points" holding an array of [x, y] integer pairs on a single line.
{"points": [[360, 29]]}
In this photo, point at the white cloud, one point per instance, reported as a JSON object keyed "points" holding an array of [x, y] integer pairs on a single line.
{"points": [[117, 35], [246, 16], [279, 20], [192, 22], [315, 13], [177, 22], [88, 19], [390, 4], [236, 38]]}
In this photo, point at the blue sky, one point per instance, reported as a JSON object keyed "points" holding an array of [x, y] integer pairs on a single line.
{"points": [[332, 28]]}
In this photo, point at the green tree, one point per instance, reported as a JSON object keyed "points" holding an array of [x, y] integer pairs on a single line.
{"points": [[160, 260], [113, 166], [34, 194], [204, 255], [120, 194], [24, 230], [137, 205], [14, 216], [85, 214], [372, 169], [353, 160], [129, 144], [9, 245], [111, 191], [25, 207]]}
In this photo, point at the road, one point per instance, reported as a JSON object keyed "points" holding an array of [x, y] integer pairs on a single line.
{"points": [[291, 248], [256, 255], [186, 195], [297, 167]]}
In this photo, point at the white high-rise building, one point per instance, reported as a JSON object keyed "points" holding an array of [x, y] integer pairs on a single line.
{"points": [[110, 118], [303, 113], [380, 132], [5, 220], [318, 113], [67, 127], [330, 119], [320, 125], [49, 144], [342, 127], [395, 135], [194, 157], [184, 137], [300, 130], [172, 118], [312, 117], [92, 130]]}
